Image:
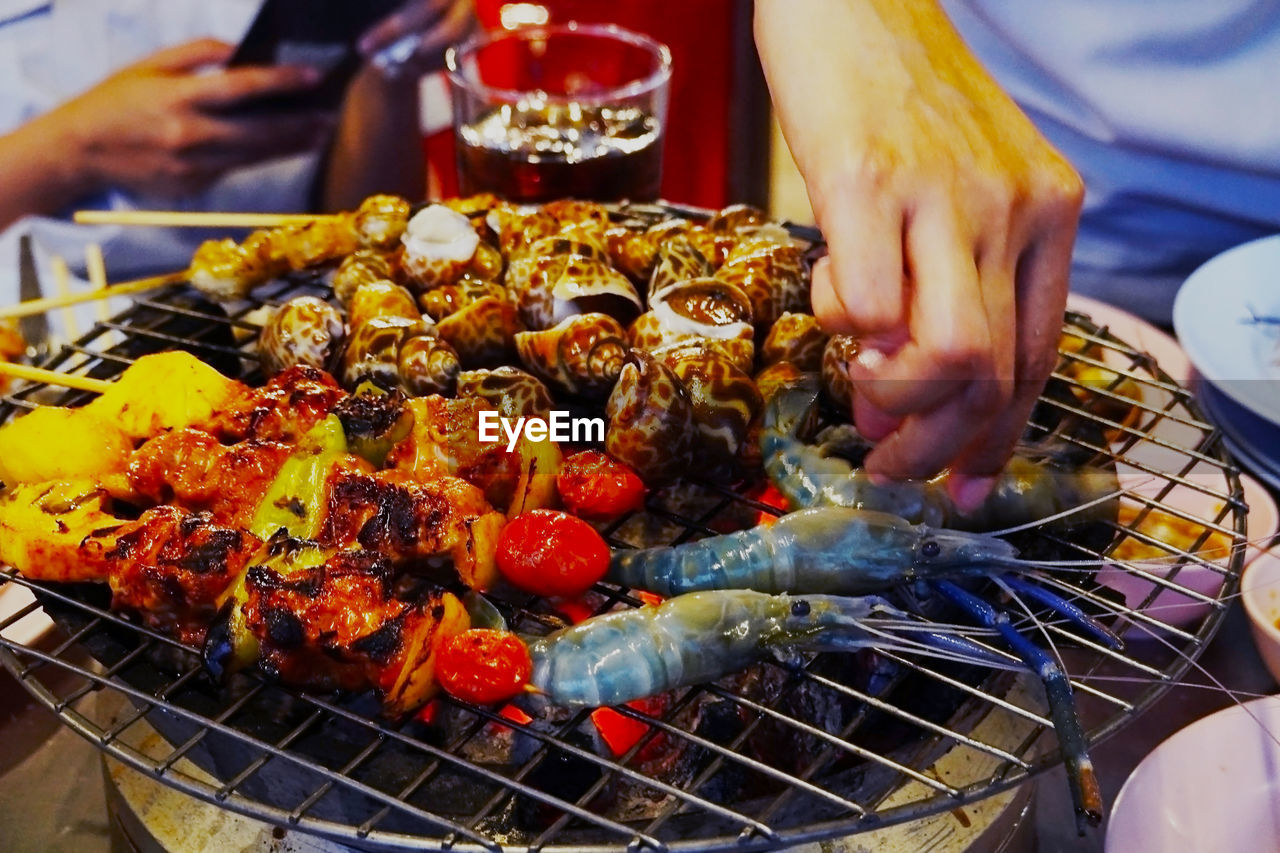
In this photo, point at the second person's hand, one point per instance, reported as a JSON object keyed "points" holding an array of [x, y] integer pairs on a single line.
{"points": [[167, 125], [949, 221]]}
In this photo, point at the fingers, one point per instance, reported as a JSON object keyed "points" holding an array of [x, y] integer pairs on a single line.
{"points": [[440, 22], [858, 289], [235, 85], [1041, 288], [188, 56], [950, 339]]}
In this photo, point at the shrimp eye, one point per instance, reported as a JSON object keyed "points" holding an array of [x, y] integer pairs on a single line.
{"points": [[800, 608], [930, 549]]}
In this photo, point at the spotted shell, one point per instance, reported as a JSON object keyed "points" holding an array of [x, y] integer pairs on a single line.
{"points": [[380, 221], [773, 377], [651, 425], [677, 260], [381, 299], [483, 332], [561, 277], [771, 273], [304, 330], [735, 218], [520, 228], [439, 245], [725, 401], [699, 309], [509, 390], [373, 351], [440, 302], [582, 354], [360, 267], [840, 350], [318, 242], [428, 365], [796, 338]]}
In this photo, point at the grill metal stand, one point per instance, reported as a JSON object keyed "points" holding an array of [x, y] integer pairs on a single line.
{"points": [[335, 750]]}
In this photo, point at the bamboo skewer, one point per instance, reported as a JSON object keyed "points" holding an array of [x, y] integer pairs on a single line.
{"points": [[52, 377], [39, 306], [96, 269], [62, 283], [195, 219]]}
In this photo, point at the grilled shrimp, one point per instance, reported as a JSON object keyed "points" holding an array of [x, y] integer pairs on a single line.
{"points": [[1025, 491], [695, 638], [836, 550]]}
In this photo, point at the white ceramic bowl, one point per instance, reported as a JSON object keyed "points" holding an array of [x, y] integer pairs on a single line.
{"points": [[1260, 591], [1214, 786]]}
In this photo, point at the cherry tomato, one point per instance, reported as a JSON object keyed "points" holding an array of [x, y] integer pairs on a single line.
{"points": [[483, 666], [548, 552], [599, 487]]}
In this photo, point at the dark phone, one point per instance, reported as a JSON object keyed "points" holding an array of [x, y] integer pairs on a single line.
{"points": [[322, 33]]}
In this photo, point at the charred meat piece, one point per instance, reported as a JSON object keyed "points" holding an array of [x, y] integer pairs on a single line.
{"points": [[170, 567], [337, 625], [192, 469], [393, 513], [282, 410]]}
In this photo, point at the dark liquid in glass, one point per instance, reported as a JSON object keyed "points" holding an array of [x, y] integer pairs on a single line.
{"points": [[539, 153]]}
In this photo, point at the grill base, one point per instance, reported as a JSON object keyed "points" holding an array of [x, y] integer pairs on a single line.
{"points": [[146, 816]]}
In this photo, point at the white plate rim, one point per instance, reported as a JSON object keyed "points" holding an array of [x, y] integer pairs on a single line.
{"points": [[1206, 316]]}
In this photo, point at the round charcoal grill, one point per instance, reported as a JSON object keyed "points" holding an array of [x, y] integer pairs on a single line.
{"points": [[330, 765]]}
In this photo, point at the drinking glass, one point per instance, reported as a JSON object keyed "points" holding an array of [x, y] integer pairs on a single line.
{"points": [[562, 111]]}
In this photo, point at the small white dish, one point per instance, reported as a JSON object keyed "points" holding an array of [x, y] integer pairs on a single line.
{"points": [[1214, 316], [1260, 592], [1214, 786]]}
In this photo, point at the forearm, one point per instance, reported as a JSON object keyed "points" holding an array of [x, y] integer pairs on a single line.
{"points": [[43, 170], [377, 146]]}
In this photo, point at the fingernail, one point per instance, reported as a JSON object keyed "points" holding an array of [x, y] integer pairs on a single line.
{"points": [[970, 492], [878, 479]]}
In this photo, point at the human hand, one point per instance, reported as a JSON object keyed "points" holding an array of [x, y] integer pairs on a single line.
{"points": [[414, 38], [165, 125], [949, 222]]}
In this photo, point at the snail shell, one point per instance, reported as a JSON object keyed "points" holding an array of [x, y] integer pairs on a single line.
{"points": [[699, 309], [561, 277], [439, 244], [427, 365], [725, 401], [373, 351], [840, 350], [380, 221], [677, 260], [381, 299], [736, 218], [509, 390], [582, 354], [796, 338], [483, 332], [440, 302], [651, 425], [771, 273], [360, 267], [304, 330]]}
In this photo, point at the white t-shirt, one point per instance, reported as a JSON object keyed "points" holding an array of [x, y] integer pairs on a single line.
{"points": [[53, 51], [1169, 109]]}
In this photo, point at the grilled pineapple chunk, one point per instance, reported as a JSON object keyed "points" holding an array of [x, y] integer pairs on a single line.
{"points": [[53, 443], [167, 390]]}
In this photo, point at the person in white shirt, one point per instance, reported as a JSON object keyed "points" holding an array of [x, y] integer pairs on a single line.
{"points": [[951, 215], [126, 103]]}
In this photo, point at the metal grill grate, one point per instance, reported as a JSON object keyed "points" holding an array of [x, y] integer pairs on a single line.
{"points": [[331, 766]]}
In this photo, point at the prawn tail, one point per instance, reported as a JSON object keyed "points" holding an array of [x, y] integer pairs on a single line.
{"points": [[1083, 781], [1064, 608]]}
